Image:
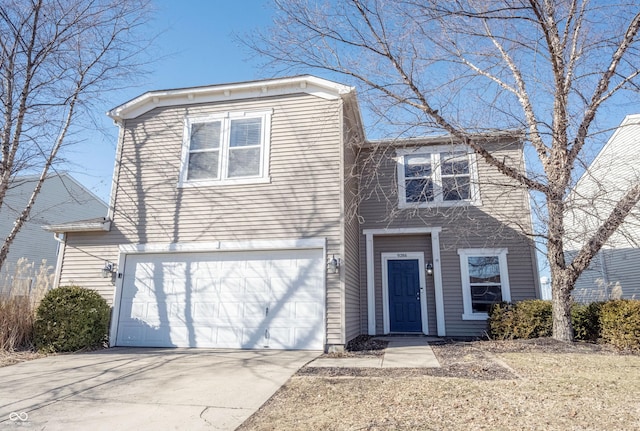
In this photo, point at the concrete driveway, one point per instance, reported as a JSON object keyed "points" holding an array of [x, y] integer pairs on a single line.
{"points": [[143, 389]]}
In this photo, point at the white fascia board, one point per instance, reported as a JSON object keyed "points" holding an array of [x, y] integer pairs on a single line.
{"points": [[629, 121], [195, 247], [82, 226], [229, 92]]}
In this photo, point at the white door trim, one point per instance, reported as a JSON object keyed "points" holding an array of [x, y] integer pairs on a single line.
{"points": [[385, 258], [437, 273]]}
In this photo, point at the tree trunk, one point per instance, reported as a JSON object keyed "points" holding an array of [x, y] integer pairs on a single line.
{"points": [[561, 294], [561, 285]]}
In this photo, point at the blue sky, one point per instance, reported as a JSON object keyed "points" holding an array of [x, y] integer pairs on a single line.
{"points": [[198, 47]]}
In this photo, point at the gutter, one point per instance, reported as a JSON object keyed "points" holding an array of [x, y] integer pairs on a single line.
{"points": [[93, 225]]}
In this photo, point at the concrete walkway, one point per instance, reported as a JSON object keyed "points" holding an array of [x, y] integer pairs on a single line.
{"points": [[401, 352]]}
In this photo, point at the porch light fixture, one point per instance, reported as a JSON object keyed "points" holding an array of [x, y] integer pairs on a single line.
{"points": [[429, 268], [108, 269], [333, 265]]}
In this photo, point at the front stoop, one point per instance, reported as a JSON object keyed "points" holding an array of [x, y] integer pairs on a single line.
{"points": [[401, 352]]}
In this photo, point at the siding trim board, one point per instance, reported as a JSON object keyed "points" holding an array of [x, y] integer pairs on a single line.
{"points": [[437, 279], [224, 246]]}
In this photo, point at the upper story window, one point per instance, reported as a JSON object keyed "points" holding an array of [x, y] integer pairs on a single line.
{"points": [[438, 175], [229, 148]]}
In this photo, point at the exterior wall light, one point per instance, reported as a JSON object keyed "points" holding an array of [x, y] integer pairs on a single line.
{"points": [[429, 268], [333, 265], [108, 269]]}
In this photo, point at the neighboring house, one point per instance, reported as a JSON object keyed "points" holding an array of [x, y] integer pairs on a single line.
{"points": [[615, 270], [256, 215], [61, 199]]}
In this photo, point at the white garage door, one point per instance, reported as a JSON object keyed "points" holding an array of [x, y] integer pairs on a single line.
{"points": [[250, 300]]}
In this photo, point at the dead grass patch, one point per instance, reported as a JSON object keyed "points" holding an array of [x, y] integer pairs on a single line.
{"points": [[9, 358], [20, 295], [557, 387]]}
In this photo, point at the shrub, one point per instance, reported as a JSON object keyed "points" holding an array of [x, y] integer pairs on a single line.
{"points": [[71, 318], [586, 321], [500, 323], [524, 319], [620, 321], [534, 319]]}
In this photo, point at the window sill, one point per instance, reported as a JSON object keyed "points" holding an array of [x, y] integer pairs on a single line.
{"points": [[413, 205], [475, 316], [220, 183]]}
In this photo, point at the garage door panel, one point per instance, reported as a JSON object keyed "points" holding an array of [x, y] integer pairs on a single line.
{"points": [[205, 310], [233, 299], [228, 336]]}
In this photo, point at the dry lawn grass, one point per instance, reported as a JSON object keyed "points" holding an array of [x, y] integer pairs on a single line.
{"points": [[14, 357], [539, 388]]}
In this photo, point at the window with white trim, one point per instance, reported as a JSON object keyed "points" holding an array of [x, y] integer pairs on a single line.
{"points": [[485, 281], [439, 175], [226, 148]]}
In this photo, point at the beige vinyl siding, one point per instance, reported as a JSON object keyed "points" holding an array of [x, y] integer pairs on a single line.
{"points": [[493, 224], [84, 257], [352, 140], [302, 199]]}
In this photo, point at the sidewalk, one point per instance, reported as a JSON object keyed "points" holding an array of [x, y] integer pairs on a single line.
{"points": [[402, 352]]}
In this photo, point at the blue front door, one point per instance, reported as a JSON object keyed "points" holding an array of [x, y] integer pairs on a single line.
{"points": [[404, 295]]}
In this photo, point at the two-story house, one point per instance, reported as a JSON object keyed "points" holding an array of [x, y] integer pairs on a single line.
{"points": [[256, 215]]}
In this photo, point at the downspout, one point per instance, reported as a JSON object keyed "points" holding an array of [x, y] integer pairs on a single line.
{"points": [[62, 245], [605, 273], [116, 169]]}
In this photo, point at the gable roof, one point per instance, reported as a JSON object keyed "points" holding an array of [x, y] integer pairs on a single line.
{"points": [[64, 176], [242, 90]]}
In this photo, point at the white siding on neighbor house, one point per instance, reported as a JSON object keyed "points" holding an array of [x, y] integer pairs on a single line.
{"points": [[302, 199], [611, 174], [493, 224], [61, 199], [613, 273], [614, 170]]}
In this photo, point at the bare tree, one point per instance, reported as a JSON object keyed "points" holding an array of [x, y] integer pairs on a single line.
{"points": [[547, 67], [57, 58]]}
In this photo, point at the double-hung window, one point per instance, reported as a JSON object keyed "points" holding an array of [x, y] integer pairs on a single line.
{"points": [[228, 148], [485, 281], [439, 175]]}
